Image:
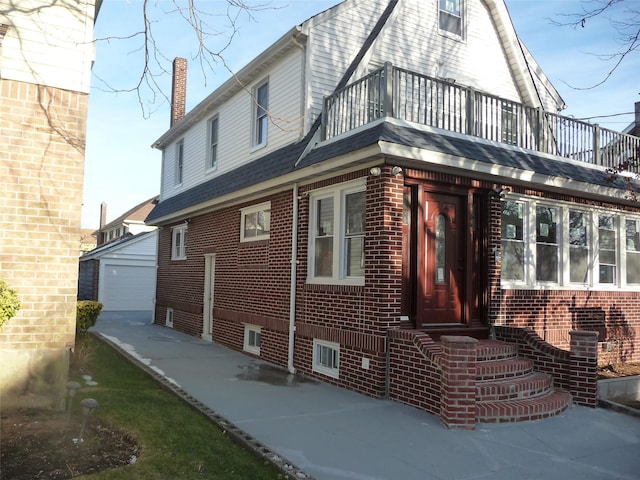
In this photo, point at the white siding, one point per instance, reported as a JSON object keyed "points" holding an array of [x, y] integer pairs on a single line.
{"points": [[335, 38], [235, 121], [48, 43], [410, 40]]}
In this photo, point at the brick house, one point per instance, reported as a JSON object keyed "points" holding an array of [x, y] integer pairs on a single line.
{"points": [[44, 89], [368, 204]]}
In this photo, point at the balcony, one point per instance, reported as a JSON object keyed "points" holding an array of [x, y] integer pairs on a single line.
{"points": [[410, 96]]}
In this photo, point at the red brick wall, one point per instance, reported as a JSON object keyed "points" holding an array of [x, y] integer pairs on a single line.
{"points": [[252, 279], [252, 283]]}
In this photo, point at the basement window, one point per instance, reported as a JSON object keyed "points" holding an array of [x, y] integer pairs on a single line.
{"points": [[252, 334], [326, 358]]}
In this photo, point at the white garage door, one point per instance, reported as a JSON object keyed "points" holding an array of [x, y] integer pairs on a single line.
{"points": [[128, 287]]}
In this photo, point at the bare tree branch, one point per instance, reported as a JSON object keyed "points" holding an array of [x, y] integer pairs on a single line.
{"points": [[208, 22], [624, 18]]}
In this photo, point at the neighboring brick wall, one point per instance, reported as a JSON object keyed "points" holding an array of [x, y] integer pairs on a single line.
{"points": [[41, 172]]}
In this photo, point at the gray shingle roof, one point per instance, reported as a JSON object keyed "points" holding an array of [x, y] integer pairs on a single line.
{"points": [[282, 162]]}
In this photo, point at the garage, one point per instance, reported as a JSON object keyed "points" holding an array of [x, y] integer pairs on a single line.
{"points": [[121, 275]]}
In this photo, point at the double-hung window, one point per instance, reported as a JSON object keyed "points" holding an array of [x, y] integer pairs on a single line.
{"points": [[179, 242], [337, 234], [607, 255], [450, 14], [212, 143], [578, 247], [632, 232], [179, 162], [255, 222], [547, 251], [513, 245], [261, 118]]}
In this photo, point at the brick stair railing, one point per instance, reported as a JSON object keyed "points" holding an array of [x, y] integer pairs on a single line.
{"points": [[508, 390]]}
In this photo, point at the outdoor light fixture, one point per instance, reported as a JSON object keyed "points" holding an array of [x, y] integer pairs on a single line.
{"points": [[500, 191], [375, 171], [88, 406], [396, 171], [72, 388]]}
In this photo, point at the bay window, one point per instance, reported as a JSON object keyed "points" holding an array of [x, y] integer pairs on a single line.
{"points": [[554, 245]]}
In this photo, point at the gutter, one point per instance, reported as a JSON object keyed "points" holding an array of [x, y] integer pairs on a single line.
{"points": [[292, 295]]}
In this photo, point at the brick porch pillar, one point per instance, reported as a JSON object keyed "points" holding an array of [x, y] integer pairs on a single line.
{"points": [[458, 390], [583, 371]]}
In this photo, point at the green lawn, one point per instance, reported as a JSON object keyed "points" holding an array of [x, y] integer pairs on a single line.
{"points": [[177, 442]]}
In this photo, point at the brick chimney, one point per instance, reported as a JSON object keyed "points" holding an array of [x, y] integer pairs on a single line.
{"points": [[178, 90], [103, 222], [636, 128]]}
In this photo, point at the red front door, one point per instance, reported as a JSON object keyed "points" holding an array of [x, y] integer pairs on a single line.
{"points": [[441, 261]]}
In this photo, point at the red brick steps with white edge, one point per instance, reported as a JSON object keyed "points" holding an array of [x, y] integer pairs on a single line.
{"points": [[508, 390]]}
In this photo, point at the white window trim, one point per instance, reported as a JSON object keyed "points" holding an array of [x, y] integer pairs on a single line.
{"points": [[338, 192], [255, 145], [247, 347], [262, 207], [564, 282], [179, 252], [178, 178], [323, 369], [168, 317], [208, 166]]}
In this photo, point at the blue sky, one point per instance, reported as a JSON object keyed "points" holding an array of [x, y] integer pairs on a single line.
{"points": [[122, 169]]}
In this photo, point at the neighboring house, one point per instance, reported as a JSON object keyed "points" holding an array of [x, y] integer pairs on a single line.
{"points": [[121, 274], [87, 240], [46, 55], [384, 185], [129, 223]]}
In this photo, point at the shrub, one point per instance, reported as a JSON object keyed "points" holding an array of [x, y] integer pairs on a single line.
{"points": [[9, 302], [87, 312]]}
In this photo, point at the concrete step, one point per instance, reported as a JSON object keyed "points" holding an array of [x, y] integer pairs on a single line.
{"points": [[522, 410], [527, 386]]}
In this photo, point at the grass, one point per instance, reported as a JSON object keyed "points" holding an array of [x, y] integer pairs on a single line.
{"points": [[177, 442]]}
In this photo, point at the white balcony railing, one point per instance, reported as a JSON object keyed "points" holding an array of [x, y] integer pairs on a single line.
{"points": [[414, 97]]}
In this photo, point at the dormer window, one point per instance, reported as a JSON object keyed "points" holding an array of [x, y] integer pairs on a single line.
{"points": [[450, 17], [261, 106]]}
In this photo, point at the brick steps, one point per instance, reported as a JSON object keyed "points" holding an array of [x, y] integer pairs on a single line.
{"points": [[535, 408], [531, 385], [508, 390]]}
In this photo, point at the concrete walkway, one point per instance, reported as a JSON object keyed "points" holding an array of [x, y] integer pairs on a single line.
{"points": [[330, 433]]}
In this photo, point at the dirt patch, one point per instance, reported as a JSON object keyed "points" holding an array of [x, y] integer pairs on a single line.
{"points": [[620, 370], [39, 445]]}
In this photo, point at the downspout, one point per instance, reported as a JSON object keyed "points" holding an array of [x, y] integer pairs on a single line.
{"points": [[294, 269]]}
